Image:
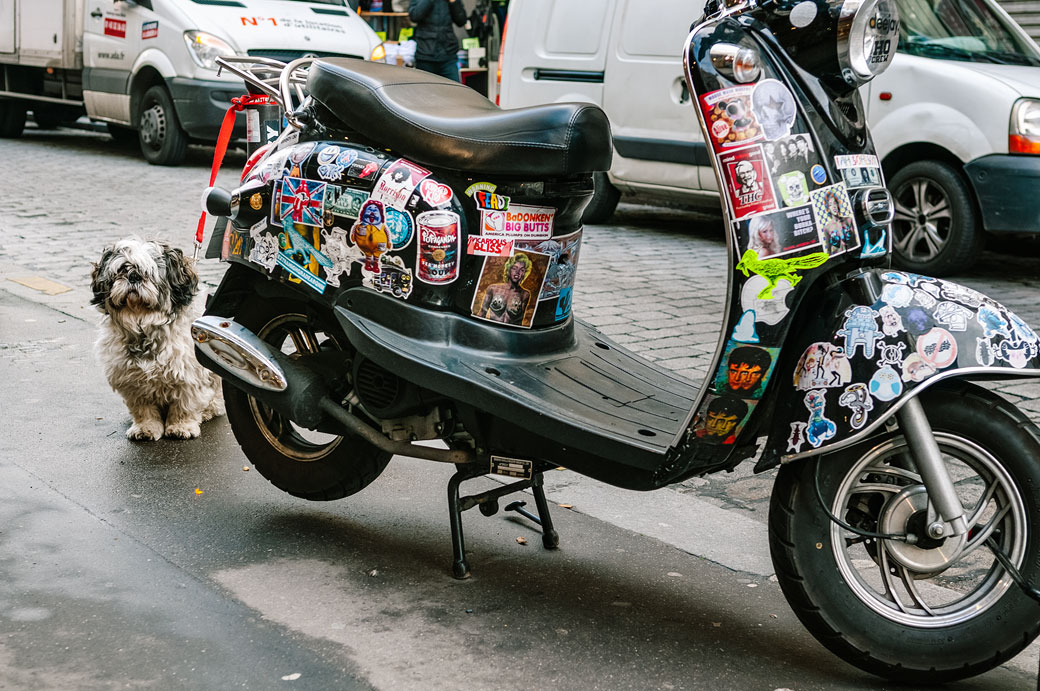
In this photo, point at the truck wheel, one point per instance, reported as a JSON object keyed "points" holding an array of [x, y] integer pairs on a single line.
{"points": [[163, 142], [936, 230], [305, 464], [604, 200], [12, 119]]}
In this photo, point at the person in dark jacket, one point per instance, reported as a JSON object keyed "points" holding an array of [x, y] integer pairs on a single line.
{"points": [[436, 46]]}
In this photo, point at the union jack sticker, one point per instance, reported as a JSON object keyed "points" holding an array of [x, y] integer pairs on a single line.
{"points": [[303, 201]]}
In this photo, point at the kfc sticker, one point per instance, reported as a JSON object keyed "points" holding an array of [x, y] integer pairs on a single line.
{"points": [[750, 191], [489, 247], [520, 222], [149, 30], [115, 27]]}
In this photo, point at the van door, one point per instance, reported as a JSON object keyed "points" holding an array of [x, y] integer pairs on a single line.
{"points": [[656, 133], [111, 43]]}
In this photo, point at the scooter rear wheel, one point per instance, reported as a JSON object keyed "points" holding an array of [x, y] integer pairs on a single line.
{"points": [[938, 610], [304, 463]]}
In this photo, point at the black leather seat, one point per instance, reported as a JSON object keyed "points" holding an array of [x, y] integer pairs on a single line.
{"points": [[437, 122]]}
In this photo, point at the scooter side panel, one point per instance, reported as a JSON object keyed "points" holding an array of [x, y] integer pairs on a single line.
{"points": [[860, 360]]}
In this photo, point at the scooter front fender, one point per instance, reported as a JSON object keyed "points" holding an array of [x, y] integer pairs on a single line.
{"points": [[880, 339]]}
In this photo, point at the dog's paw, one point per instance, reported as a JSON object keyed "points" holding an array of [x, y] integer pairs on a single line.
{"points": [[183, 429], [150, 430]]}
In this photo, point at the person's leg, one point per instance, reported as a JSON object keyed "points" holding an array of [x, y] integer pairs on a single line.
{"points": [[445, 68]]}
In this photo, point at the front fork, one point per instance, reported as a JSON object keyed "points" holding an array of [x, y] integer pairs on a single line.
{"points": [[945, 512]]}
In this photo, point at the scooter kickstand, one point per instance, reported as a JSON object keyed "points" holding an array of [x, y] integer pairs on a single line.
{"points": [[459, 567], [550, 538]]}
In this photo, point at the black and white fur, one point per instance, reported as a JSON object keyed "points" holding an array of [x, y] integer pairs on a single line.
{"points": [[147, 292]]}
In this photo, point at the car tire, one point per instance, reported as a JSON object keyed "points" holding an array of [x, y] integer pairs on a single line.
{"points": [[604, 200], [936, 227], [12, 119], [163, 142]]}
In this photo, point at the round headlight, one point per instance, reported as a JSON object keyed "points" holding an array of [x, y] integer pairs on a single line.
{"points": [[868, 31]]}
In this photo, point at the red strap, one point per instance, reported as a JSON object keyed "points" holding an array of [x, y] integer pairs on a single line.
{"points": [[237, 104]]}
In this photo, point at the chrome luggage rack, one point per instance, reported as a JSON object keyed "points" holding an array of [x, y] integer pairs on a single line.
{"points": [[282, 82]]}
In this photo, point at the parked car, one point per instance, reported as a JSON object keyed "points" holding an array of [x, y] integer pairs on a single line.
{"points": [[955, 119]]}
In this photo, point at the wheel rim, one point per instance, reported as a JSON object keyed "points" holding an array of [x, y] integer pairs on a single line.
{"points": [[952, 583], [153, 126], [923, 220], [294, 335]]}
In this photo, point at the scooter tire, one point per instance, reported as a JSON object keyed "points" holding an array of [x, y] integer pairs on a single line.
{"points": [[286, 455], [830, 589]]}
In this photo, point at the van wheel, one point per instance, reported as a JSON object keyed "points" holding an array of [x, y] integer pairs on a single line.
{"points": [[935, 230], [604, 200], [12, 119], [163, 142]]}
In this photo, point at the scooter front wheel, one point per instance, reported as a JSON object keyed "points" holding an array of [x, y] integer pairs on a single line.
{"points": [[930, 609], [307, 464]]}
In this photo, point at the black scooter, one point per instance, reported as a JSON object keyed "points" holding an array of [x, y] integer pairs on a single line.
{"points": [[402, 261]]}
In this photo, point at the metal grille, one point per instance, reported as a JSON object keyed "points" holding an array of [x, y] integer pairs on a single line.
{"points": [[290, 55]]}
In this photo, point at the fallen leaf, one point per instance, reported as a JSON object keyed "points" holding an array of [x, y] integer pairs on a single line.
{"points": [[521, 540], [198, 491], [717, 624], [566, 506], [373, 572], [752, 585], [292, 677], [245, 468]]}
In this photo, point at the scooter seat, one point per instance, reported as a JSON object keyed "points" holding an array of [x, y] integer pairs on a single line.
{"points": [[437, 122]]}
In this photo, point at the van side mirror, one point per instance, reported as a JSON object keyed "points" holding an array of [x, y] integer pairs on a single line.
{"points": [[147, 4]]}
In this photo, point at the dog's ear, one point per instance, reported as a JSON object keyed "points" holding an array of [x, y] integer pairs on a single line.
{"points": [[101, 279], [180, 274]]}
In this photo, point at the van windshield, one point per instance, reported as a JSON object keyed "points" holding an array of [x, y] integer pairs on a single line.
{"points": [[966, 30]]}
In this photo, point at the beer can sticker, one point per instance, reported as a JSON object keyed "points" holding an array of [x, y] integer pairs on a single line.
{"points": [[439, 235]]}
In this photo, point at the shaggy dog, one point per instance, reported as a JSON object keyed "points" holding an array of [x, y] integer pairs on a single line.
{"points": [[146, 291]]}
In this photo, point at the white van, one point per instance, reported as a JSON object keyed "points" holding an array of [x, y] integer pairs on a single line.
{"points": [[956, 118], [149, 65]]}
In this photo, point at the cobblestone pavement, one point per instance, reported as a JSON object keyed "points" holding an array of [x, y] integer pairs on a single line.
{"points": [[652, 280]]}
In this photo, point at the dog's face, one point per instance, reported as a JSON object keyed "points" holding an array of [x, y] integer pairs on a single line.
{"points": [[142, 276]]}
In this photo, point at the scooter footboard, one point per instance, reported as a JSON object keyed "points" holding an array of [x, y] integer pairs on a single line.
{"points": [[567, 383], [884, 337]]}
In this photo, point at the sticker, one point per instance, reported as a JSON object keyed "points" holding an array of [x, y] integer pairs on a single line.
{"points": [[369, 234], [340, 252], [729, 117], [938, 348], [774, 270], [290, 139], [563, 262], [992, 322], [508, 288], [917, 321], [563, 305], [363, 169], [770, 311], [256, 201], [265, 252], [803, 14], [748, 185], [480, 187], [393, 278], [818, 174], [857, 399], [1015, 353], [519, 222], [722, 419], [300, 258], [822, 365], [856, 161], [875, 241], [833, 211], [396, 184], [861, 177], [149, 30], [330, 171], [962, 294], [747, 370], [789, 154], [253, 126], [897, 295], [780, 232], [344, 201], [1021, 330], [435, 193], [860, 330], [302, 201], [328, 155], [924, 299], [793, 188], [891, 322], [488, 247], [232, 243], [955, 317], [400, 227], [891, 354], [774, 106], [276, 203], [797, 438], [916, 368], [299, 154], [490, 200], [744, 331], [819, 429], [440, 236], [885, 385], [115, 27]]}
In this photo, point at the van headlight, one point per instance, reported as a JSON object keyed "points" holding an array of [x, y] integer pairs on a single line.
{"points": [[868, 31], [206, 48], [1024, 131]]}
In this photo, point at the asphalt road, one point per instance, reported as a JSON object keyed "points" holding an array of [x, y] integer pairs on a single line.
{"points": [[173, 565]]}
